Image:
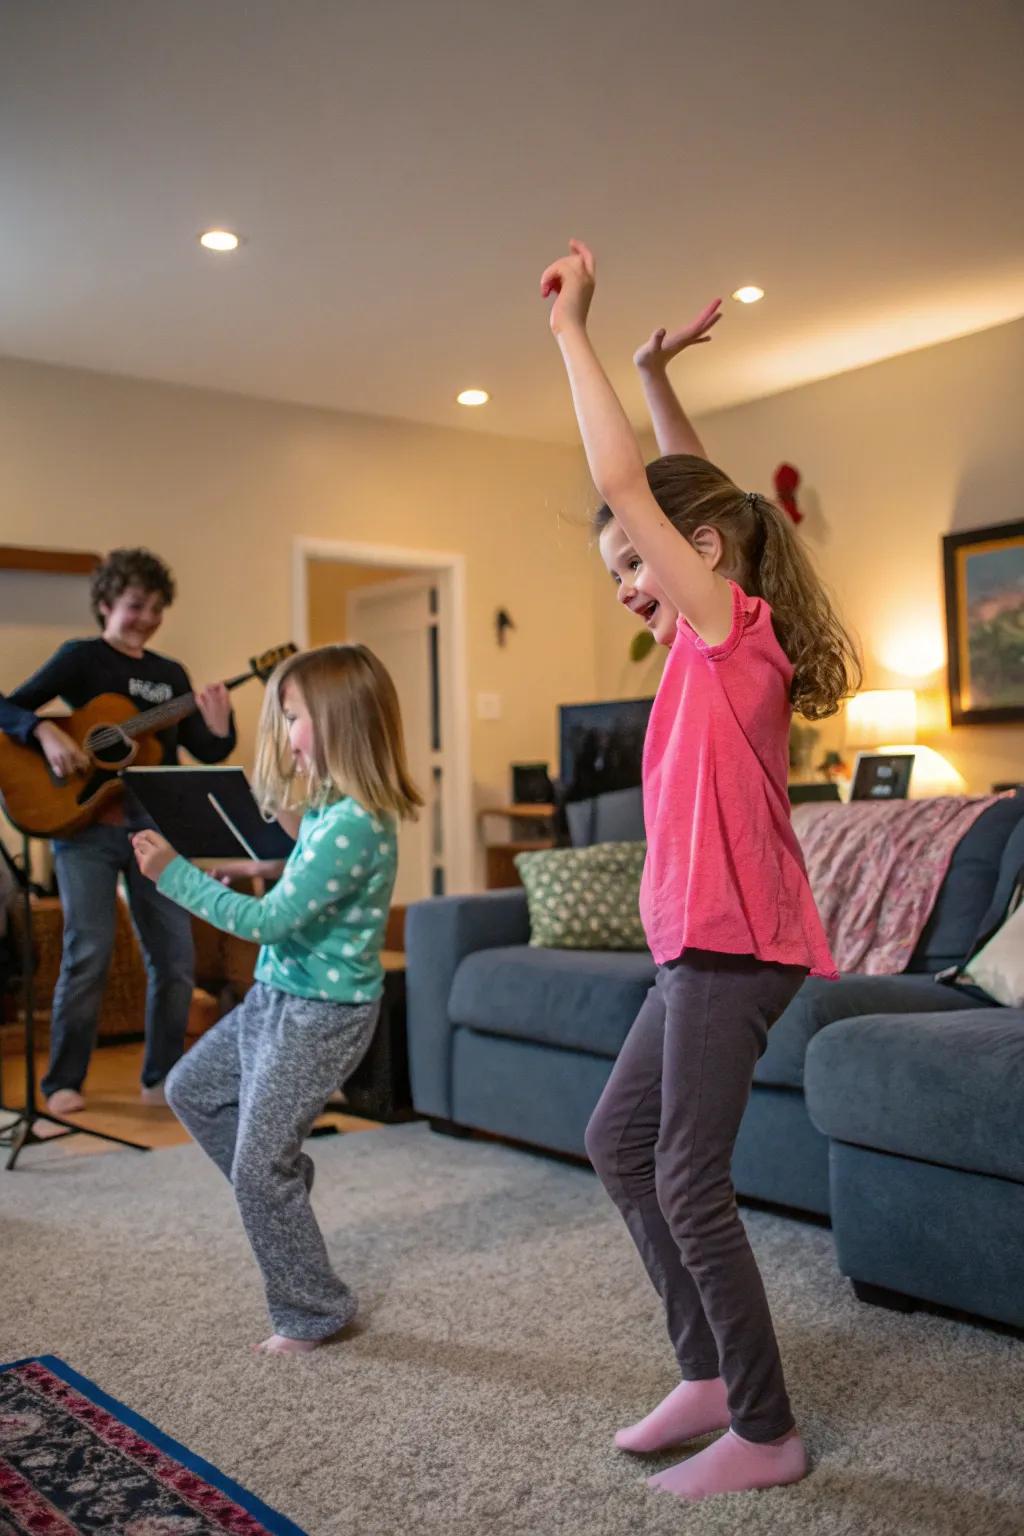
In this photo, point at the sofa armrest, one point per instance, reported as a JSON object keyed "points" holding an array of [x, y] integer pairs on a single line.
{"points": [[943, 1088], [439, 934]]}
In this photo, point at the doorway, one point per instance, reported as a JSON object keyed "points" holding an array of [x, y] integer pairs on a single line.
{"points": [[408, 607]]}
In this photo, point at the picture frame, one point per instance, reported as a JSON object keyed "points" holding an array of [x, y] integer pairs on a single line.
{"points": [[882, 776], [983, 571]]}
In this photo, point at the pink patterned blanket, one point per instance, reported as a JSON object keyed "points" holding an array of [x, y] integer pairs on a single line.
{"points": [[876, 869]]}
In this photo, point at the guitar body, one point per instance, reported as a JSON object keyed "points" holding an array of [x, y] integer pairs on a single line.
{"points": [[114, 735], [40, 804]]}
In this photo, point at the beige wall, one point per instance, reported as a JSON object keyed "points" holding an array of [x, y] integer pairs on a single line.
{"points": [[618, 677], [329, 584], [892, 457], [221, 485]]}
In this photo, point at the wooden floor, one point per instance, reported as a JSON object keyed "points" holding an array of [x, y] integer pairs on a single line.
{"points": [[113, 1105]]}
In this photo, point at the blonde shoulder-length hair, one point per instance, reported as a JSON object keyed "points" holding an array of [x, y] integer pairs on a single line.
{"points": [[358, 742]]}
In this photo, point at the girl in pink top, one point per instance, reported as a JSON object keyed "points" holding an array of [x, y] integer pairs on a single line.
{"points": [[719, 577]]}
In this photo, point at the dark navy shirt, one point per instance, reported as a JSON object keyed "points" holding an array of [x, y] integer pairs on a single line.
{"points": [[80, 670], [19, 723]]}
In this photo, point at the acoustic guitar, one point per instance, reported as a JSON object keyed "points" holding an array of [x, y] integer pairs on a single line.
{"points": [[114, 736]]}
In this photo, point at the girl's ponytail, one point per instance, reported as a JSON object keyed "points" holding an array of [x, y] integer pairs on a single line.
{"points": [[826, 667]]}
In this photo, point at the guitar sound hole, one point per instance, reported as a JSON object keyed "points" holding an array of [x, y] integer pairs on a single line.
{"points": [[109, 747]]}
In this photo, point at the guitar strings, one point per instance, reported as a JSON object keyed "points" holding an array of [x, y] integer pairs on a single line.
{"points": [[109, 735], [151, 719]]}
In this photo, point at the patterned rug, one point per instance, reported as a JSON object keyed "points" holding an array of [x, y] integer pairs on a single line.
{"points": [[75, 1462]]}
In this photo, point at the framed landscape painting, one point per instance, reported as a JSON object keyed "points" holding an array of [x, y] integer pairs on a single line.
{"points": [[984, 577]]}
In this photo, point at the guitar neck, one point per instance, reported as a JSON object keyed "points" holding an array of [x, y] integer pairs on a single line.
{"points": [[164, 715]]}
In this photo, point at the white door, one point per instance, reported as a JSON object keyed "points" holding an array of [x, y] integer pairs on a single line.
{"points": [[399, 621]]}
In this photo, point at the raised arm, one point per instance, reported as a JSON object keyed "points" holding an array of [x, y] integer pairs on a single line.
{"points": [[673, 429], [615, 461]]}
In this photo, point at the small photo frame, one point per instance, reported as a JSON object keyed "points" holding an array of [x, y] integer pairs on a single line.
{"points": [[882, 775]]}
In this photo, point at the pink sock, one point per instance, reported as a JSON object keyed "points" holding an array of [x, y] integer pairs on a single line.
{"points": [[691, 1409], [733, 1465]]}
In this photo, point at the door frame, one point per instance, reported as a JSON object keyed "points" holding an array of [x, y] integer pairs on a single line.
{"points": [[362, 600], [449, 571]]}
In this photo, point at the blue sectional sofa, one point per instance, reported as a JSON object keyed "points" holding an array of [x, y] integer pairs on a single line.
{"points": [[926, 1155], [519, 1041]]}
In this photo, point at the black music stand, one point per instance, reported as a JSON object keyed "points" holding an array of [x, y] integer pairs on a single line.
{"points": [[20, 1132], [206, 813]]}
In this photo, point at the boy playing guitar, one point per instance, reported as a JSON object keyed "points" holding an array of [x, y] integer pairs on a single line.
{"points": [[130, 590]]}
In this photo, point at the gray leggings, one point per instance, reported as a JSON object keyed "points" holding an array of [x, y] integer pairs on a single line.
{"points": [[249, 1091], [661, 1140]]}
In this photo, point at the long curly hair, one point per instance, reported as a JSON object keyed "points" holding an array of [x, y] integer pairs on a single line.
{"points": [[764, 555]]}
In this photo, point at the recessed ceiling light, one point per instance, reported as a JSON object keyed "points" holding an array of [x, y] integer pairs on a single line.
{"points": [[473, 397], [749, 295], [219, 240]]}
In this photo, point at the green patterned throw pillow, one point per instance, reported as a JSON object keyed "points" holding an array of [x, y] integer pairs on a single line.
{"points": [[585, 898]]}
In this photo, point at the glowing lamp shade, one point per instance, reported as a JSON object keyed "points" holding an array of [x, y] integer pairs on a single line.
{"points": [[881, 715], [934, 775]]}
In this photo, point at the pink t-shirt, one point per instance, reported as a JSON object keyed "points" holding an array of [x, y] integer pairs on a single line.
{"points": [[724, 869]]}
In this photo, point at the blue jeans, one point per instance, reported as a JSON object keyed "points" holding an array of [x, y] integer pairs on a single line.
{"points": [[87, 868]]}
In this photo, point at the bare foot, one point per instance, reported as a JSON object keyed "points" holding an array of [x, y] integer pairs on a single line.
{"points": [[66, 1101], [154, 1095], [277, 1344]]}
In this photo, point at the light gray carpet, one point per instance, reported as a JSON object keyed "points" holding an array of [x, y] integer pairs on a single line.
{"points": [[506, 1330]]}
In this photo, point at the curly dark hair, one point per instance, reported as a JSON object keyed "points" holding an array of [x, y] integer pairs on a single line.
{"points": [[124, 568]]}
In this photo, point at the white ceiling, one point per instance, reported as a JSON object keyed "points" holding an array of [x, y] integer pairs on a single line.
{"points": [[402, 171]]}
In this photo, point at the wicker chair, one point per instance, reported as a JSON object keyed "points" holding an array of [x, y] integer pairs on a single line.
{"points": [[123, 1011]]}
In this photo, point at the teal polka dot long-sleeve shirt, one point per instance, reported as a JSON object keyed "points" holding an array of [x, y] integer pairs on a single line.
{"points": [[321, 927]]}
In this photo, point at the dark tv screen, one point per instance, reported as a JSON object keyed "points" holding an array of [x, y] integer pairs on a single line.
{"points": [[601, 747]]}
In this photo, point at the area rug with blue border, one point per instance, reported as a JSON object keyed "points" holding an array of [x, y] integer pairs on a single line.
{"points": [[76, 1462]]}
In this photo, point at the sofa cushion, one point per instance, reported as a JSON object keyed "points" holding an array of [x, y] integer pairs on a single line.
{"points": [[1011, 875], [998, 967], [585, 898], [981, 863], [821, 1002], [617, 817], [940, 1088], [581, 1000]]}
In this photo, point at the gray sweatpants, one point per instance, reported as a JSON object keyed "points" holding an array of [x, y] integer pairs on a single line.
{"points": [[661, 1140], [249, 1091]]}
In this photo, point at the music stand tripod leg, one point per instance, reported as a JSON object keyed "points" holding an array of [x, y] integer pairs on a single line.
{"points": [[21, 1133]]}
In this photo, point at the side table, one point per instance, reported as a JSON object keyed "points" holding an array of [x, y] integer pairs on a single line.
{"points": [[535, 825], [379, 1087]]}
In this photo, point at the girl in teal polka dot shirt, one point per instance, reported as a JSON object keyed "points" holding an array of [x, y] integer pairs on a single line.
{"points": [[331, 751]]}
